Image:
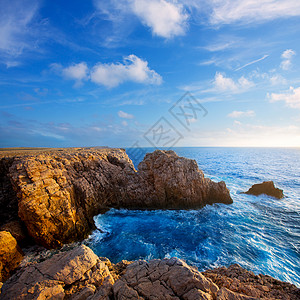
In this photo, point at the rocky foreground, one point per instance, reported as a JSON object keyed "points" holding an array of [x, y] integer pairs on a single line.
{"points": [[56, 194], [80, 274]]}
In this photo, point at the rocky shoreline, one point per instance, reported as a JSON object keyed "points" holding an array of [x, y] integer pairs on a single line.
{"points": [[56, 194], [50, 197], [79, 274]]}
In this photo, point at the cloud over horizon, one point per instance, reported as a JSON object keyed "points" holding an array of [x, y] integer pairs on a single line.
{"points": [[241, 114], [290, 97]]}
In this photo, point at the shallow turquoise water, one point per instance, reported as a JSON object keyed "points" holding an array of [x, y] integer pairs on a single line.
{"points": [[260, 233]]}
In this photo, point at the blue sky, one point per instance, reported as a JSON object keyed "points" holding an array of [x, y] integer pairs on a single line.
{"points": [[107, 73]]}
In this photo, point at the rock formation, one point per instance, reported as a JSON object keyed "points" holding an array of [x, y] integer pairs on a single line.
{"points": [[59, 192], [10, 254], [268, 188], [240, 281], [80, 274]]}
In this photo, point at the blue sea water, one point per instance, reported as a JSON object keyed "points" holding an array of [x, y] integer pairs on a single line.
{"points": [[260, 233]]}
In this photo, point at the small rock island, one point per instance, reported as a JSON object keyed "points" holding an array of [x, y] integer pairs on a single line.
{"points": [[267, 188]]}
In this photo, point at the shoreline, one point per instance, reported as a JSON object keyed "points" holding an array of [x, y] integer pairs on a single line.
{"points": [[29, 172]]}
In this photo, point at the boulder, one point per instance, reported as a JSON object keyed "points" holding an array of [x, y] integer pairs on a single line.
{"points": [[77, 272], [10, 254], [267, 188], [163, 279]]}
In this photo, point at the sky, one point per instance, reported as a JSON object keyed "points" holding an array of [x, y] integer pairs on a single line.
{"points": [[150, 73]]}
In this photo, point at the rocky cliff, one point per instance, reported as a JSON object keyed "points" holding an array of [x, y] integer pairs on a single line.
{"points": [[80, 274], [57, 193]]}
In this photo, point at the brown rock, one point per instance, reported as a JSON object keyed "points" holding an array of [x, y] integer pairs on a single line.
{"points": [[163, 279], [59, 192], [77, 272], [268, 188], [165, 180], [16, 230], [225, 294], [245, 283], [10, 254]]}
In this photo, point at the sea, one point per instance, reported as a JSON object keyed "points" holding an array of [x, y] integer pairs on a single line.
{"points": [[260, 233]]}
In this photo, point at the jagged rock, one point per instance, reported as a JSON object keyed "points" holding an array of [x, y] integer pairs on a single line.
{"points": [[64, 274], [163, 279], [166, 180], [268, 188], [59, 192], [79, 274], [10, 254], [237, 280]]}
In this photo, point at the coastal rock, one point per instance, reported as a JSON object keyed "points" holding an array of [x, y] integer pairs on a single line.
{"points": [[59, 192], [268, 188], [165, 180], [237, 280], [163, 279], [76, 272], [79, 274], [10, 254]]}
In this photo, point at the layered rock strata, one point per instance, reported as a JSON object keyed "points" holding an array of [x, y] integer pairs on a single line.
{"points": [[80, 274], [59, 192]]}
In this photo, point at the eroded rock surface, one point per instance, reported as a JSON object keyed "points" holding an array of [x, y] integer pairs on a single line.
{"points": [[59, 192], [80, 274], [75, 273], [163, 279], [10, 254], [240, 281], [267, 188]]}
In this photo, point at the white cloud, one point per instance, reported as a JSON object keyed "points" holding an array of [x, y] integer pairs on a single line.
{"points": [[165, 18], [248, 11], [16, 33], [277, 80], [132, 69], [125, 115], [290, 97], [124, 123], [77, 72], [241, 114], [287, 56], [223, 83]]}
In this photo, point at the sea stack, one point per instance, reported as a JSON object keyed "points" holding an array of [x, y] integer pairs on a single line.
{"points": [[267, 188]]}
